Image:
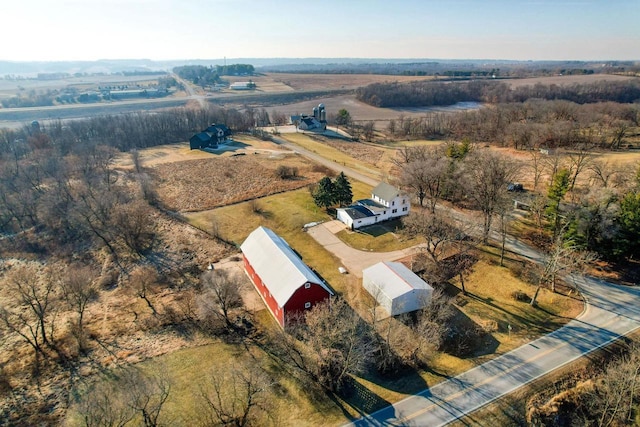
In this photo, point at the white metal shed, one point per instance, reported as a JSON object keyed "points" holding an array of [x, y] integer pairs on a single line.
{"points": [[396, 288]]}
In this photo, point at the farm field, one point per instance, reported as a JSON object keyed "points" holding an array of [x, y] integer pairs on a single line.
{"points": [[567, 80]]}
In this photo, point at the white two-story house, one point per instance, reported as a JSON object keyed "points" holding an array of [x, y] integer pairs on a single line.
{"points": [[386, 202]]}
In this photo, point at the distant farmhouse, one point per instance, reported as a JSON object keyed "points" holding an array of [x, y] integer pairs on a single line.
{"points": [[318, 121], [211, 137], [386, 202], [286, 284], [396, 288]]}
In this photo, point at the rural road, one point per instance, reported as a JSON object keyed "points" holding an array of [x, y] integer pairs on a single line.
{"points": [[611, 312]]}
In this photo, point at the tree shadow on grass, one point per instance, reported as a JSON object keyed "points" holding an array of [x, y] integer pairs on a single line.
{"points": [[359, 398], [380, 229], [467, 338]]}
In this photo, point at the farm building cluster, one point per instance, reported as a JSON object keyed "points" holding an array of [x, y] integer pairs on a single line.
{"points": [[212, 137], [386, 202], [289, 287], [317, 121]]}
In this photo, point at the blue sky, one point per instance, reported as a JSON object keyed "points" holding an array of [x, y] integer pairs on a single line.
{"points": [[209, 29]]}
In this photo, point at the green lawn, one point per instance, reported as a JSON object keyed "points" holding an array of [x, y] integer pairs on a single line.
{"points": [[286, 214], [384, 237]]}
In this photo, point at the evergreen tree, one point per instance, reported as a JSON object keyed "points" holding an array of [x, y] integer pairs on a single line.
{"points": [[342, 190], [343, 118], [629, 223], [557, 191], [324, 193]]}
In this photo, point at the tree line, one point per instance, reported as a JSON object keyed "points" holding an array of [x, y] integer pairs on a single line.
{"points": [[127, 131], [429, 93], [528, 125], [602, 216]]}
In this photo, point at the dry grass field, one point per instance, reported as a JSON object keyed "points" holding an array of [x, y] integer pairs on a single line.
{"points": [[300, 82], [197, 185], [567, 80], [360, 112]]}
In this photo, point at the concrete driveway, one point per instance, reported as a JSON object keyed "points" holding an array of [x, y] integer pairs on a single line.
{"points": [[353, 260]]}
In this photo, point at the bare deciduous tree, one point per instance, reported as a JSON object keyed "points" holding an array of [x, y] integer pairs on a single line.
{"points": [[143, 281], [146, 394], [102, 405], [423, 172], [134, 225], [618, 391], [435, 229], [125, 395], [579, 159], [31, 310], [340, 342], [488, 174], [78, 290], [235, 397], [220, 295], [564, 257], [603, 173], [432, 324], [536, 165]]}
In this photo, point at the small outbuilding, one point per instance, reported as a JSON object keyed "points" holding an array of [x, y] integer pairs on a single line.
{"points": [[286, 284], [396, 288]]}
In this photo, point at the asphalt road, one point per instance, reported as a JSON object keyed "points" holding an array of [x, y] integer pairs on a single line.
{"points": [[611, 312]]}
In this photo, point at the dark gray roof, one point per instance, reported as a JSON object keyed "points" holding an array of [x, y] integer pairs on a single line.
{"points": [[213, 128], [386, 191], [372, 205], [202, 136], [358, 212]]}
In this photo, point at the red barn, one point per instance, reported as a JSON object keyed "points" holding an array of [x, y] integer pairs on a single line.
{"points": [[285, 283]]}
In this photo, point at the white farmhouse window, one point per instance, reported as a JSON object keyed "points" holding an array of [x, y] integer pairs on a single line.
{"points": [[307, 305], [404, 209], [394, 211]]}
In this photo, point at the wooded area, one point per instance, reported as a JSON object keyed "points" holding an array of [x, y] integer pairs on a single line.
{"points": [[426, 93]]}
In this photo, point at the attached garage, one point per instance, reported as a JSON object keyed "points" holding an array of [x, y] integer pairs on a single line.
{"points": [[396, 288], [285, 283]]}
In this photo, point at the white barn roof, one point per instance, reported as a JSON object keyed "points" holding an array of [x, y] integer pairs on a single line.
{"points": [[394, 279], [279, 267]]}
